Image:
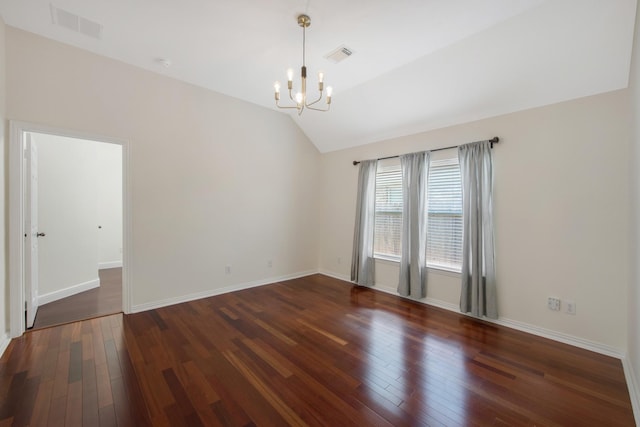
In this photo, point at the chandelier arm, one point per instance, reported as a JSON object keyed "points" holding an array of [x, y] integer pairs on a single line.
{"points": [[316, 101], [284, 106], [320, 109]]}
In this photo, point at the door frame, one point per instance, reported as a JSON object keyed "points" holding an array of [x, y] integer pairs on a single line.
{"points": [[16, 216]]}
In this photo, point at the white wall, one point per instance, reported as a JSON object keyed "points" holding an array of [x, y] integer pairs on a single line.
{"points": [[633, 345], [214, 181], [109, 176], [561, 214], [4, 280]]}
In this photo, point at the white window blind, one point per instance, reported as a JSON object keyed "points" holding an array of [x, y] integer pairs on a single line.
{"points": [[444, 230], [388, 214]]}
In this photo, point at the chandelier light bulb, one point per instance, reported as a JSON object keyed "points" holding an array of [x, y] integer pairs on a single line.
{"points": [[276, 86], [320, 77], [329, 90], [290, 74], [299, 98]]}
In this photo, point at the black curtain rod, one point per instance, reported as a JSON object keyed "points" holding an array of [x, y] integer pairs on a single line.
{"points": [[493, 140]]}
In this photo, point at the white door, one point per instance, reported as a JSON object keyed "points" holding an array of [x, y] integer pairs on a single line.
{"points": [[31, 229]]}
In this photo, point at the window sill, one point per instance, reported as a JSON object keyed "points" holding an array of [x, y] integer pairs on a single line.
{"points": [[444, 272], [391, 259], [437, 270]]}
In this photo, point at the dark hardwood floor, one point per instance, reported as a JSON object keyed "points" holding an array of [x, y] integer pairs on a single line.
{"points": [[309, 351], [107, 299]]}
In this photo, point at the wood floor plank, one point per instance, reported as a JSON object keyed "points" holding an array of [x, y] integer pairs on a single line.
{"points": [[75, 362], [28, 395], [272, 360], [11, 400], [184, 405], [290, 416], [107, 416], [58, 411], [90, 414], [61, 379], [73, 413], [103, 383], [311, 351], [42, 405]]}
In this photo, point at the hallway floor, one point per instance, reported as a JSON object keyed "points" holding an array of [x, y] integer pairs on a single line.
{"points": [[107, 299]]}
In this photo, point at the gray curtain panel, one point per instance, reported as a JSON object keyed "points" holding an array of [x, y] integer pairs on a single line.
{"points": [[362, 263], [413, 262], [478, 295]]}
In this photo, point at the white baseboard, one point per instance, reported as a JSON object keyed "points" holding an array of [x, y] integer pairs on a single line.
{"points": [[633, 384], [110, 264], [335, 275], [219, 291], [561, 337], [4, 343], [513, 324], [67, 292]]}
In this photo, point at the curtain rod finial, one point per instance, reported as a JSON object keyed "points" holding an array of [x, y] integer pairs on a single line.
{"points": [[355, 163]]}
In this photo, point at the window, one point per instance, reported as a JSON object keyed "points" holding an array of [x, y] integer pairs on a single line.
{"points": [[444, 226], [388, 214], [444, 233]]}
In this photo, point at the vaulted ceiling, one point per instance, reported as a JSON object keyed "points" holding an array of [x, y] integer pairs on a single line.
{"points": [[416, 64]]}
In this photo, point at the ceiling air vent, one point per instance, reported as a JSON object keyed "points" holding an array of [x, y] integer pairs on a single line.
{"points": [[339, 55], [76, 23]]}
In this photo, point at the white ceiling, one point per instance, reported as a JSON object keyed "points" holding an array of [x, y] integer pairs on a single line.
{"points": [[418, 64]]}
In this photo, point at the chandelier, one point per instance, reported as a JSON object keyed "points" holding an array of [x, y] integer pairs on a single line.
{"points": [[300, 98]]}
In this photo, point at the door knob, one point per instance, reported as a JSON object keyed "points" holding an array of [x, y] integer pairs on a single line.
{"points": [[40, 234]]}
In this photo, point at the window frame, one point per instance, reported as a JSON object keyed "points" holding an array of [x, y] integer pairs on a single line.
{"points": [[396, 258]]}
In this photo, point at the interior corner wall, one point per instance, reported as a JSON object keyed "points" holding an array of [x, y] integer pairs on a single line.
{"points": [[213, 181], [561, 213], [633, 340], [4, 150]]}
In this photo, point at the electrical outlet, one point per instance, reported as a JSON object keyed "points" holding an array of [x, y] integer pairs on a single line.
{"points": [[227, 269], [570, 307], [269, 263], [553, 303]]}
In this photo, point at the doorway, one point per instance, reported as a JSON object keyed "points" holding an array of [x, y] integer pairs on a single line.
{"points": [[68, 206]]}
